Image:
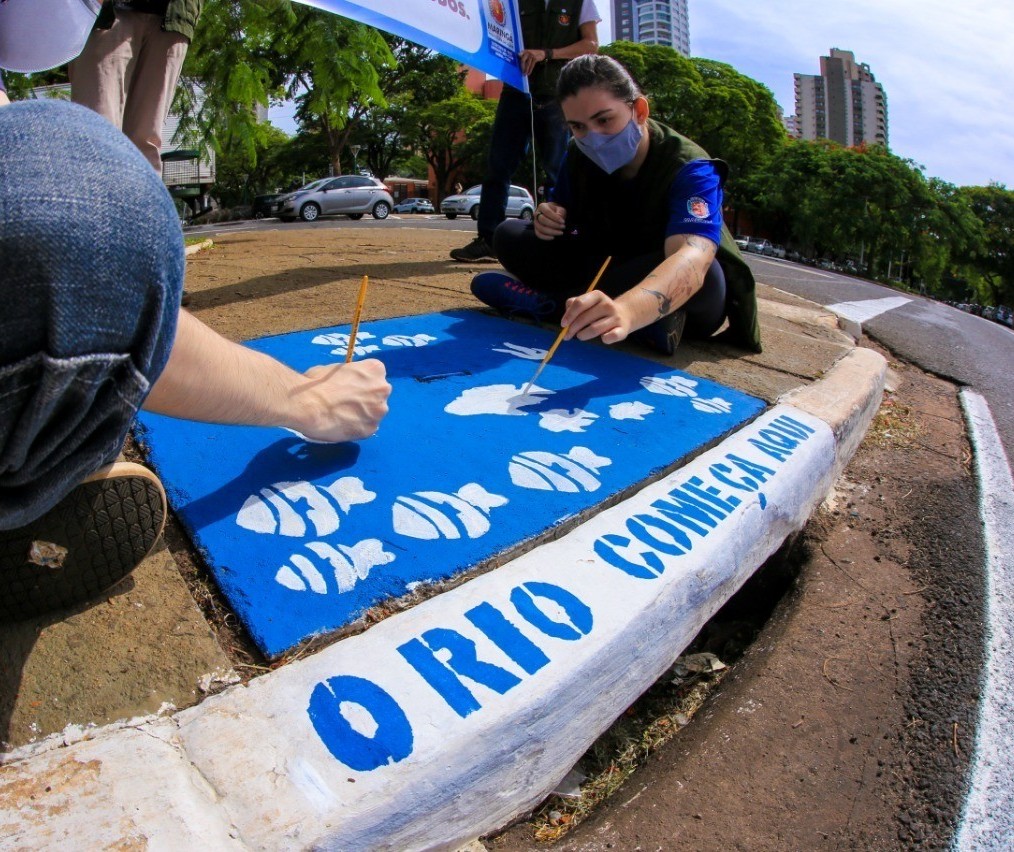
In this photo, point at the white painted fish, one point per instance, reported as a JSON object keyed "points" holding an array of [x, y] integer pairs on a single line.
{"points": [[340, 340], [291, 508], [673, 386], [506, 400], [528, 353], [397, 340], [344, 566], [433, 514], [717, 405], [564, 420], [630, 410], [572, 472]]}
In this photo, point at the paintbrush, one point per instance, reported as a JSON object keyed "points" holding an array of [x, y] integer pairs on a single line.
{"points": [[563, 331], [355, 319]]}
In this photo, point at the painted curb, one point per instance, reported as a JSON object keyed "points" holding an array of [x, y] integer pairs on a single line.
{"points": [[987, 820], [847, 399], [444, 722], [196, 247]]}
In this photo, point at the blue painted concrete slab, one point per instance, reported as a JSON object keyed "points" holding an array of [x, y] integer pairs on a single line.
{"points": [[303, 538]]}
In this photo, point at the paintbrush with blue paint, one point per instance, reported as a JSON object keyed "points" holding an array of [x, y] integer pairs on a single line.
{"points": [[563, 331]]}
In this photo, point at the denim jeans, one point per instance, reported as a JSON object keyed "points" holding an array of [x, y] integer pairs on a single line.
{"points": [[91, 271], [565, 266], [512, 130]]}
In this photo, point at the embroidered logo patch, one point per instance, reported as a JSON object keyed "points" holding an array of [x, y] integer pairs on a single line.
{"points": [[564, 20], [698, 208]]}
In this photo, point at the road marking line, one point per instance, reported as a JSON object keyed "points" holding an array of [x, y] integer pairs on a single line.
{"points": [[867, 309], [988, 818]]}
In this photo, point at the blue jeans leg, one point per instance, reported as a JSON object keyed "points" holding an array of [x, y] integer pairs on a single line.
{"points": [[508, 143], [551, 138], [91, 272]]}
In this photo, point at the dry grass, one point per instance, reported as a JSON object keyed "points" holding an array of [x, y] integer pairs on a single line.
{"points": [[894, 426], [645, 727]]}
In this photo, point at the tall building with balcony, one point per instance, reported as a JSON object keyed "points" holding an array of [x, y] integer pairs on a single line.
{"points": [[653, 22], [844, 103]]}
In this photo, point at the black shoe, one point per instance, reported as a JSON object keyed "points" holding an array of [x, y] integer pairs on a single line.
{"points": [[478, 249], [84, 545], [664, 334], [510, 297]]}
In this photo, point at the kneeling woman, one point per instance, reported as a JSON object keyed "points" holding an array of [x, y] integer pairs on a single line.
{"points": [[636, 190]]}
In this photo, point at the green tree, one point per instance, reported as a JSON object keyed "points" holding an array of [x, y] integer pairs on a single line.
{"points": [[990, 264], [419, 76], [246, 52], [732, 116], [446, 133]]}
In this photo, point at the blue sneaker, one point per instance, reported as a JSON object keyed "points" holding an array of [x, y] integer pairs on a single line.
{"points": [[510, 297]]}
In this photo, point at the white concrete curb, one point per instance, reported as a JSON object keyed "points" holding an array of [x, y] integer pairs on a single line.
{"points": [[988, 818], [445, 721], [196, 247]]}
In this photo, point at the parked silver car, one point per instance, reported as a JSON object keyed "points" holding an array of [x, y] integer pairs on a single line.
{"points": [[519, 203], [414, 205], [346, 195]]}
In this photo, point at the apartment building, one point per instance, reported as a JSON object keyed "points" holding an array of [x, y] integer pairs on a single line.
{"points": [[844, 103], [653, 22]]}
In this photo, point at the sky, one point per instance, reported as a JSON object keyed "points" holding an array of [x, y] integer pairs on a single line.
{"points": [[947, 68]]}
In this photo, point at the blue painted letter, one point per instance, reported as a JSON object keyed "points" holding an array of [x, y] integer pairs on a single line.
{"points": [[463, 661], [523, 598], [390, 743], [507, 637]]}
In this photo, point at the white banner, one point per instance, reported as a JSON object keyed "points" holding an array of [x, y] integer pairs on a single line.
{"points": [[485, 34]]}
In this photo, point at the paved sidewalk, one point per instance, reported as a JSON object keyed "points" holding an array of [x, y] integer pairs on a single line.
{"points": [[148, 647]]}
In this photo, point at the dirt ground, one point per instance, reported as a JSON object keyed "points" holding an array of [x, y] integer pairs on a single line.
{"points": [[848, 722]]}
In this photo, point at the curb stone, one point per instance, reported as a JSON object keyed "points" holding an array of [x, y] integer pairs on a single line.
{"points": [[196, 247], [382, 743]]}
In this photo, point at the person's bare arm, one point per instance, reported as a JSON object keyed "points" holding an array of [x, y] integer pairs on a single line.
{"points": [[666, 289], [211, 379], [588, 43]]}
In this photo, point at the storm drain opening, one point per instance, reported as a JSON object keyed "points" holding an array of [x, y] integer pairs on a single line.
{"points": [[670, 704]]}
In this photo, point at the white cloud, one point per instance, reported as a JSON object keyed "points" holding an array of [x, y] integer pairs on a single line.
{"points": [[946, 68]]}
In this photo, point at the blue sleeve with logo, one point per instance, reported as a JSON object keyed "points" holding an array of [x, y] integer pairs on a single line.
{"points": [[695, 202]]}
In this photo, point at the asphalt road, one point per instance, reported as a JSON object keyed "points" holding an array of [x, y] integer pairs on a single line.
{"points": [[966, 349]]}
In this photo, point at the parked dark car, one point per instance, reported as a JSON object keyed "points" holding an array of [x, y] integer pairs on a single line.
{"points": [[266, 205]]}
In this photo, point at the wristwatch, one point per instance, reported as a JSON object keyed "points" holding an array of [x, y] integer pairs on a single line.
{"points": [[549, 54]]}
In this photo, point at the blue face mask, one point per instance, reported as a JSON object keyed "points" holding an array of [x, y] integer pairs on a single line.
{"points": [[611, 151]]}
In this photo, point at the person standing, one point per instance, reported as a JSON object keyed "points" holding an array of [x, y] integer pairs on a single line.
{"points": [[554, 32], [131, 63]]}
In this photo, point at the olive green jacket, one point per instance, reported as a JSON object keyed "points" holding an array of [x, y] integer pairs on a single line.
{"points": [[599, 213], [180, 16]]}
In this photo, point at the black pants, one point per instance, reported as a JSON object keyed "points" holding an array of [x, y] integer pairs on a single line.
{"points": [[564, 267]]}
